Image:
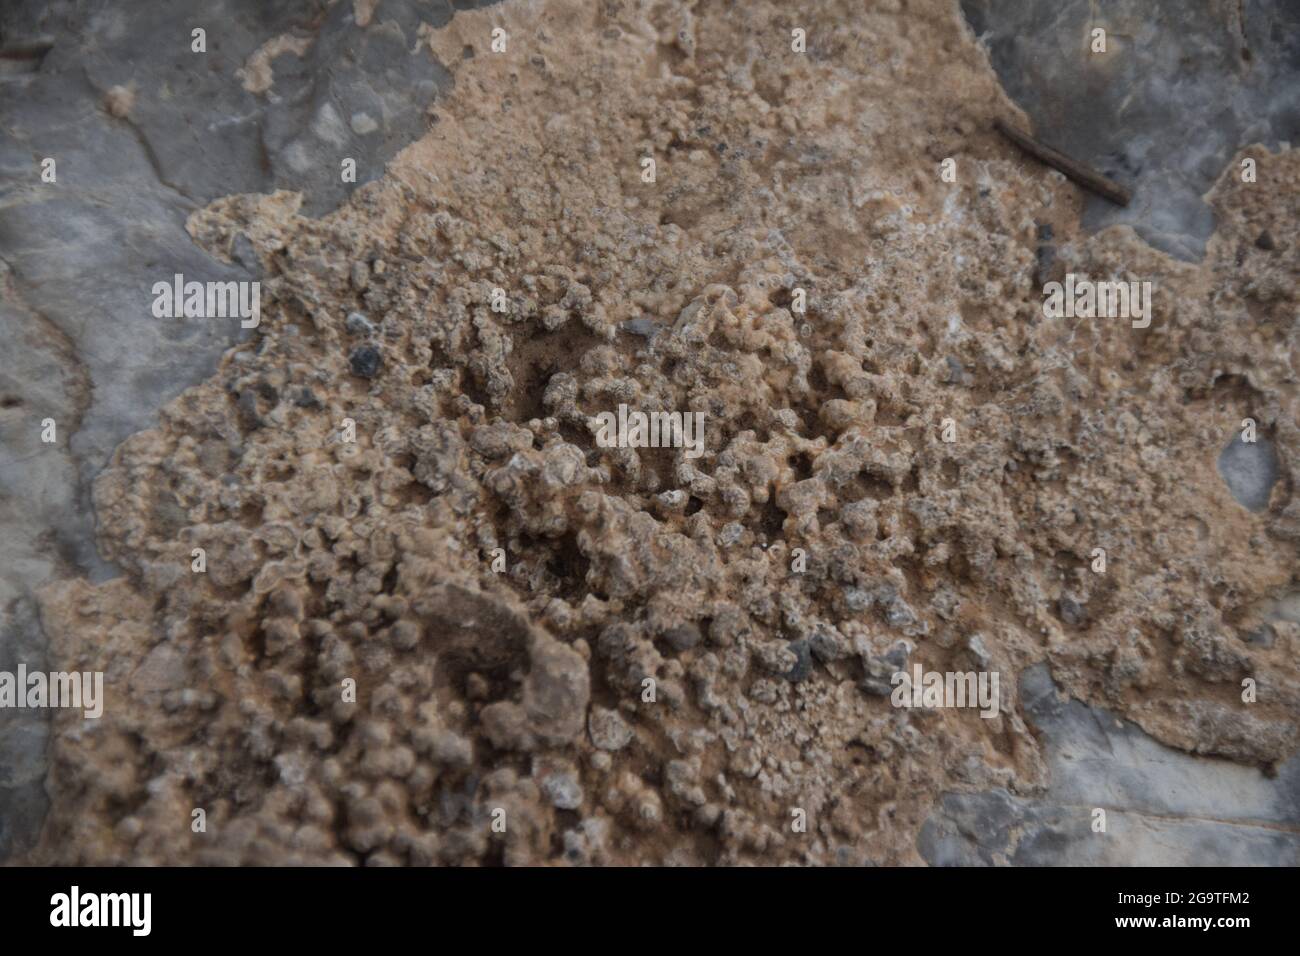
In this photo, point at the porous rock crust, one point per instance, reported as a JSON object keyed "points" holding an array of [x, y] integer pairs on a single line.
{"points": [[371, 561]]}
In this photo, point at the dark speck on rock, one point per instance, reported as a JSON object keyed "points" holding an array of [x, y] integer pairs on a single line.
{"points": [[247, 404], [683, 637], [1043, 261], [244, 254], [876, 686], [1265, 241], [1071, 611], [803, 666], [365, 361], [957, 375], [1262, 637]]}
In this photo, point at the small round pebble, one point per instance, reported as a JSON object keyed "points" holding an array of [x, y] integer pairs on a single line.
{"points": [[365, 361], [358, 324], [608, 729]]}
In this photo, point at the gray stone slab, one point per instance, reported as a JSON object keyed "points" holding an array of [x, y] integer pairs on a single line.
{"points": [[1163, 807], [1181, 88]]}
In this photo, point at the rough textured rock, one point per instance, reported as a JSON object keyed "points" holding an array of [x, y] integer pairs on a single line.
{"points": [[136, 150], [475, 612]]}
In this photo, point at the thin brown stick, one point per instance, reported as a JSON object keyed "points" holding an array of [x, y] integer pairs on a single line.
{"points": [[1085, 176]]}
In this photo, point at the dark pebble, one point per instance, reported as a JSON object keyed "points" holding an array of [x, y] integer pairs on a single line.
{"points": [[1044, 260], [803, 667], [876, 686], [365, 361], [248, 413], [683, 637], [1071, 611], [1263, 637]]}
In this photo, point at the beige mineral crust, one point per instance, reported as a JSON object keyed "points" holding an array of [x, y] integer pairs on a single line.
{"points": [[524, 691]]}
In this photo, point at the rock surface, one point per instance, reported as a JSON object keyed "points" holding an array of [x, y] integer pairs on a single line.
{"points": [[1178, 90], [433, 601], [138, 143], [1162, 807]]}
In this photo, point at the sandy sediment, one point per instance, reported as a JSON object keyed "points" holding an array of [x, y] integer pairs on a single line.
{"points": [[524, 690]]}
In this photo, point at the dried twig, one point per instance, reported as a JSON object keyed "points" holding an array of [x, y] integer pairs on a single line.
{"points": [[1085, 176]]}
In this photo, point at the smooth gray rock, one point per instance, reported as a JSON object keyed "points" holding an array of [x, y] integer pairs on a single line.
{"points": [[1250, 470], [1181, 88], [24, 735], [1163, 807]]}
